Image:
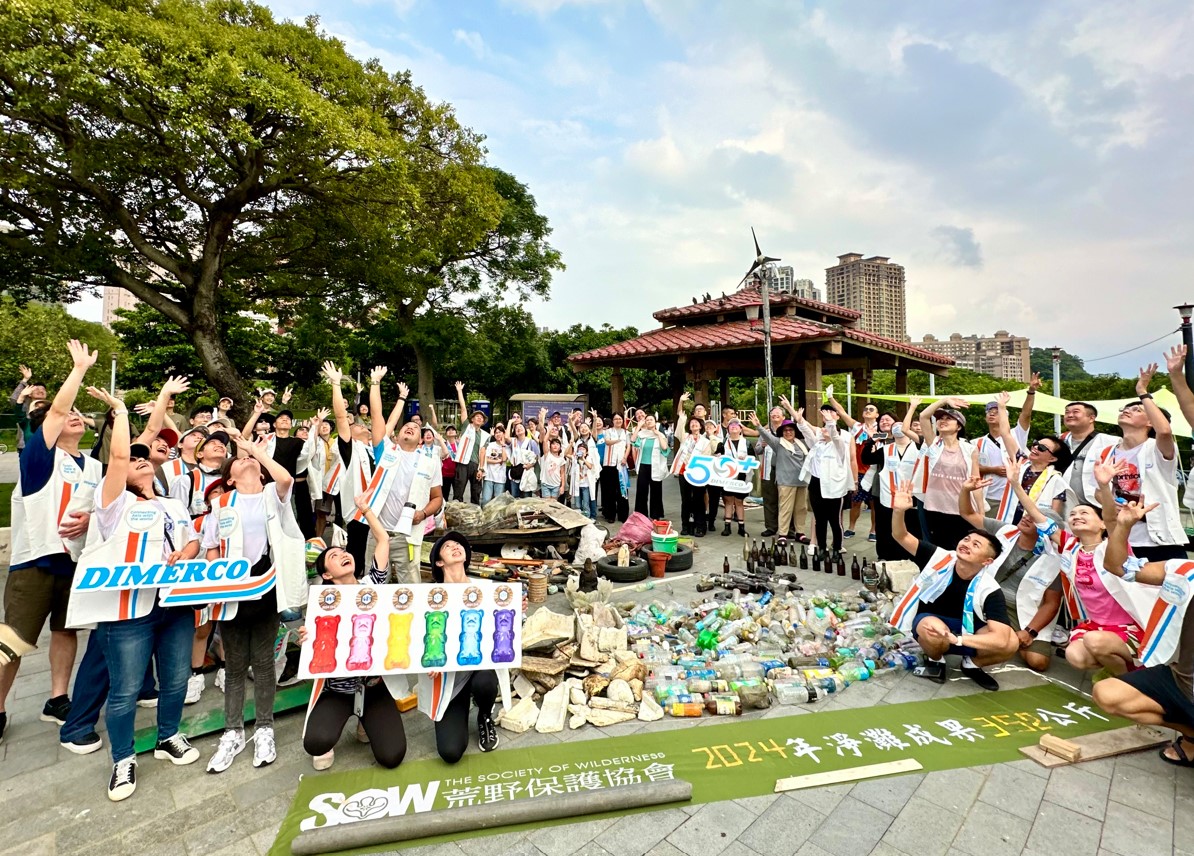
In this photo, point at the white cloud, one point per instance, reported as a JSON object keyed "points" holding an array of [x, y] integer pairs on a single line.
{"points": [[471, 40]]}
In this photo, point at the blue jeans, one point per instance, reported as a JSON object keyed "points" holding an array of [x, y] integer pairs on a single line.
{"points": [[128, 646], [491, 490], [548, 491], [515, 490], [586, 504], [91, 691]]}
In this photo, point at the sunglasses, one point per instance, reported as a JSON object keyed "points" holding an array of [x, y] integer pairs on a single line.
{"points": [[1041, 447]]}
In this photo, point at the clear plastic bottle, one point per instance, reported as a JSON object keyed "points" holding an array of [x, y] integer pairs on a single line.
{"points": [[794, 691]]}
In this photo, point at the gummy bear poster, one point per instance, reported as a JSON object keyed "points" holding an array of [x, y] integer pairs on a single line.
{"points": [[402, 629]]}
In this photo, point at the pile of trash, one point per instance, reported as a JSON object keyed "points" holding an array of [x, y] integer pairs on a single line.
{"points": [[603, 665]]}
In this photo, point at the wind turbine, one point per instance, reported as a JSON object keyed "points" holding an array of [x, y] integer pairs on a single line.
{"points": [[765, 267]]}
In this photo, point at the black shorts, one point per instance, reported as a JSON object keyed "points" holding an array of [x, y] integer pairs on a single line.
{"points": [[1159, 684]]}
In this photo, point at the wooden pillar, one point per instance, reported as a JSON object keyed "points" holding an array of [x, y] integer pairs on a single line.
{"points": [[812, 388], [700, 392], [724, 392], [901, 388], [617, 390], [862, 386]]}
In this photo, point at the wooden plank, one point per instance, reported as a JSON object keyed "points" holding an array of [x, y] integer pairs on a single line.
{"points": [[1102, 745], [1057, 746], [545, 665], [670, 578], [833, 777]]}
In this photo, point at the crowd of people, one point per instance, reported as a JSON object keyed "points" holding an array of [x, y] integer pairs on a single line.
{"points": [[1016, 538]]}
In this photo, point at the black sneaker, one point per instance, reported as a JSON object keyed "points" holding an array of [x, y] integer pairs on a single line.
{"points": [[767, 533], [124, 779], [57, 710], [176, 750], [981, 678], [85, 745], [3, 724], [487, 736], [289, 675]]}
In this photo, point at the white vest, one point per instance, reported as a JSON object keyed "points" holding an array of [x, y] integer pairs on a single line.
{"points": [[896, 468], [36, 518], [579, 477], [836, 474], [472, 439], [358, 471], [1164, 523], [930, 454], [615, 447], [287, 549], [1094, 448], [658, 461], [688, 448], [173, 470], [125, 545], [426, 466]]}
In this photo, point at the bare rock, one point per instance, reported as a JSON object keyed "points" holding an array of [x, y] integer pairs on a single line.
{"points": [[636, 687], [522, 687], [599, 703], [619, 690], [520, 718], [554, 711], [595, 685], [649, 710], [546, 628], [602, 718], [576, 695]]}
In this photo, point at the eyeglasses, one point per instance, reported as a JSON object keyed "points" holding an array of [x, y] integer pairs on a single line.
{"points": [[1133, 406], [1038, 446]]}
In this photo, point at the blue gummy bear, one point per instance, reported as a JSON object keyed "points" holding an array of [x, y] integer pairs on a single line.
{"points": [[470, 637], [503, 636]]}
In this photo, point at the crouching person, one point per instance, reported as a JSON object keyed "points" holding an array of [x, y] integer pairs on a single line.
{"points": [[955, 606], [334, 700], [1162, 693]]}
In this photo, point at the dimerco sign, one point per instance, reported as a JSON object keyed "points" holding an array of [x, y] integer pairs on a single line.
{"points": [[160, 575]]}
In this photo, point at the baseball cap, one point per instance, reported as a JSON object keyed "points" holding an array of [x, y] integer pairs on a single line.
{"points": [[201, 429], [221, 436], [170, 436], [138, 451], [953, 414]]}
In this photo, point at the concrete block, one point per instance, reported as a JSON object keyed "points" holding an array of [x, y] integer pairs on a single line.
{"points": [[520, 718], [649, 709], [554, 711], [619, 690]]}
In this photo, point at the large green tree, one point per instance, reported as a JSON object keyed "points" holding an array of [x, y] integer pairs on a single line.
{"points": [[205, 157], [35, 335], [641, 388]]}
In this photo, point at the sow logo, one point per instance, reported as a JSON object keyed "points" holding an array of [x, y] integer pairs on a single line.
{"points": [[723, 472]]}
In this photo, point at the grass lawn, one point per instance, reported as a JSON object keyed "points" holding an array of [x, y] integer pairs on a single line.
{"points": [[5, 505]]}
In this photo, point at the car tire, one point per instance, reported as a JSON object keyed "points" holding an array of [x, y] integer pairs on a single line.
{"points": [[607, 566], [681, 560]]}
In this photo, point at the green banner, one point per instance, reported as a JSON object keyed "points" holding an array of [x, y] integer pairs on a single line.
{"points": [[740, 758]]}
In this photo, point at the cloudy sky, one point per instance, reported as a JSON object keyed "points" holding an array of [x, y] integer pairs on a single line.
{"points": [[1029, 163]]}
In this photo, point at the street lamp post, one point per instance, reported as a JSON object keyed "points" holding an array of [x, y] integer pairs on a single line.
{"points": [[1057, 388], [1185, 310], [766, 273]]}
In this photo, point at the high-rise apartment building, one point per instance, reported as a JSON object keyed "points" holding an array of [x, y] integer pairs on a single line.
{"points": [[115, 298], [873, 286], [786, 282], [1002, 355]]}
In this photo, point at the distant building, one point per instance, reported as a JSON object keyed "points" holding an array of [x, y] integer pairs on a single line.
{"points": [[1002, 355], [116, 298], [787, 283], [873, 286]]}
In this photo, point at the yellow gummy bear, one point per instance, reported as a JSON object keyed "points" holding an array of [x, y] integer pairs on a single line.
{"points": [[398, 645]]}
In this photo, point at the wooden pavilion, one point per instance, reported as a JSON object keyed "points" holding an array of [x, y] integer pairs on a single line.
{"points": [[713, 340]]}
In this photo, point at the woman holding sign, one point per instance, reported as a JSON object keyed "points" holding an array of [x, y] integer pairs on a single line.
{"points": [[132, 523], [692, 497], [254, 521], [446, 697], [334, 700]]}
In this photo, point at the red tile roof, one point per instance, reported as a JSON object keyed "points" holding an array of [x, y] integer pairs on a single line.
{"points": [[739, 300], [732, 335]]}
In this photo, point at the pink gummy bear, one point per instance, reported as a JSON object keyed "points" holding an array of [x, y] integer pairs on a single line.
{"points": [[360, 648]]}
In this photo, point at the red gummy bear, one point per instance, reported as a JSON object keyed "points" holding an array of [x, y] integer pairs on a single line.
{"points": [[324, 659]]}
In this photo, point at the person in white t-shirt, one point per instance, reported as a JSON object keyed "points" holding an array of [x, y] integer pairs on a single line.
{"points": [[991, 448], [553, 471], [493, 465]]}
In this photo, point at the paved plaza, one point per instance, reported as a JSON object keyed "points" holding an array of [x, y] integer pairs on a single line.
{"points": [[54, 802]]}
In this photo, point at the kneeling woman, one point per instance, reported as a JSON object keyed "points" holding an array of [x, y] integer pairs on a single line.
{"points": [[130, 520], [447, 696], [334, 700]]}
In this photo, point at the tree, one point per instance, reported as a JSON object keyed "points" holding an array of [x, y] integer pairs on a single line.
{"points": [[155, 347], [186, 150], [640, 387], [1070, 367], [481, 239], [35, 335]]}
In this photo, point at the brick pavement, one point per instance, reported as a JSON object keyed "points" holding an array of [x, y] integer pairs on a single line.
{"points": [[53, 802]]}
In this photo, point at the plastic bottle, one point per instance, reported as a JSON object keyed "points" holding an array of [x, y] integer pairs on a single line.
{"points": [[853, 671], [647, 586], [690, 708], [723, 704], [793, 691]]}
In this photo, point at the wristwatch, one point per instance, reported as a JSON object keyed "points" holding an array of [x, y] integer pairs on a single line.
{"points": [[1031, 632], [1145, 395]]}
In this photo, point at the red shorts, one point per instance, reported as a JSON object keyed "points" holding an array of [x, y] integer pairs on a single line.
{"points": [[1129, 633]]}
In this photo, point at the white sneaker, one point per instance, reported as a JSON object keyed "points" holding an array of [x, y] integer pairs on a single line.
{"points": [[231, 745], [324, 761], [153, 702], [195, 686], [124, 779], [264, 751], [219, 681]]}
